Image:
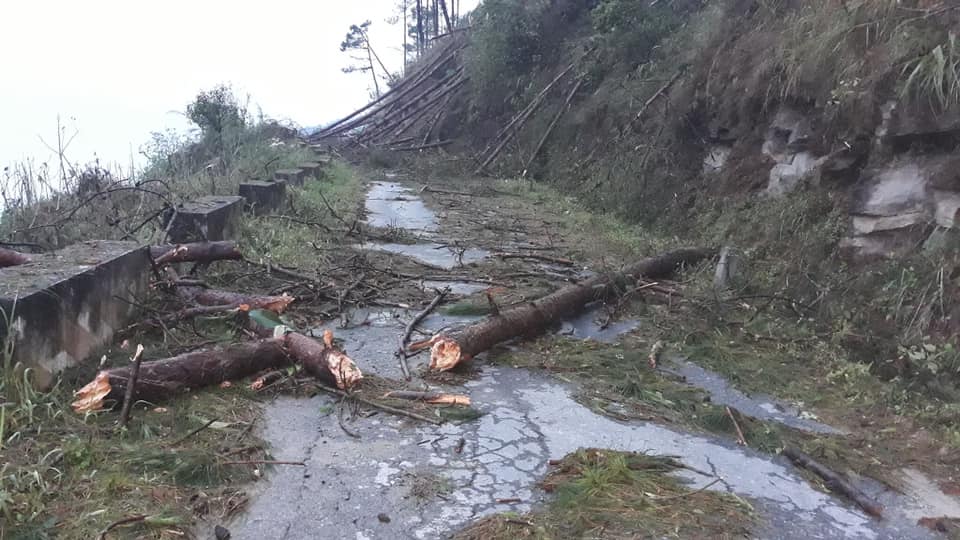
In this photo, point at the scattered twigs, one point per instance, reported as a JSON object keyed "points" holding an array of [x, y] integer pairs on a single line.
{"points": [[120, 523], [131, 386], [834, 481], [741, 440], [537, 257], [193, 432], [428, 189], [380, 406], [401, 353]]}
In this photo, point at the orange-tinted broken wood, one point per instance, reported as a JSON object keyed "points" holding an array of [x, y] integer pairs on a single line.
{"points": [[323, 360], [433, 398], [214, 297]]}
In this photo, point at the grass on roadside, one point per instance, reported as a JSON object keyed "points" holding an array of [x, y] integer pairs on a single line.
{"points": [[620, 495]]}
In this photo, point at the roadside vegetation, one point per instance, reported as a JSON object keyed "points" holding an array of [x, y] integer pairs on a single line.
{"points": [[619, 495]]}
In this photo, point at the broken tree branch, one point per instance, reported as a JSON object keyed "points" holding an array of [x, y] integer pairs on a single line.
{"points": [[401, 353], [128, 395], [834, 481]]}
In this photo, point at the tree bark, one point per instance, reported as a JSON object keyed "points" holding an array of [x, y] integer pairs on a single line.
{"points": [[323, 360], [447, 351], [9, 257], [202, 252]]}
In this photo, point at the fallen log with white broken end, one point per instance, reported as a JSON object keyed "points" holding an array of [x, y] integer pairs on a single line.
{"points": [[164, 379], [449, 350]]}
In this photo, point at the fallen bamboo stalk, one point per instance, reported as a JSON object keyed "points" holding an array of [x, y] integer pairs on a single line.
{"points": [[427, 146], [436, 119], [834, 481], [9, 257], [516, 124], [401, 353], [202, 252], [741, 440], [386, 127], [393, 96], [658, 93], [553, 124], [447, 351]]}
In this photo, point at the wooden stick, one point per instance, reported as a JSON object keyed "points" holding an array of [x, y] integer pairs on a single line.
{"points": [[658, 93], [401, 353], [436, 144], [384, 408], [741, 440], [553, 124], [834, 481], [131, 385], [120, 523]]}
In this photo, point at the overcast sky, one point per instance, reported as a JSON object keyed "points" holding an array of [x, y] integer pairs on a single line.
{"points": [[116, 70]]}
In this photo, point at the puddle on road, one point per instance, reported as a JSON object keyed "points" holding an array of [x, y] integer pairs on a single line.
{"points": [[390, 204], [759, 406], [459, 288], [437, 255], [365, 488], [528, 420]]}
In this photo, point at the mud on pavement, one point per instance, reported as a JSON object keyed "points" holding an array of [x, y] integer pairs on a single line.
{"points": [[397, 478]]}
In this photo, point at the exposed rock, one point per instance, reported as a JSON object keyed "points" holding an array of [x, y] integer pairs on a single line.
{"points": [[884, 244], [716, 158], [895, 189], [943, 240], [786, 176], [729, 269], [947, 208], [918, 119], [871, 224]]}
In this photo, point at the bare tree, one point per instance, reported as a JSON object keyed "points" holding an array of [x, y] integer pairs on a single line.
{"points": [[358, 39]]}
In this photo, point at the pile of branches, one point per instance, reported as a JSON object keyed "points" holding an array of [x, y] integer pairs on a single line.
{"points": [[406, 117]]}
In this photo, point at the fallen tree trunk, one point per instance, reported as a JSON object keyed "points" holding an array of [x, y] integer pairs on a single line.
{"points": [[9, 257], [834, 481], [202, 252], [163, 379], [536, 317]]}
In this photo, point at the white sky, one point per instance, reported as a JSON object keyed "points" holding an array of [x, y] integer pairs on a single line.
{"points": [[116, 70]]}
